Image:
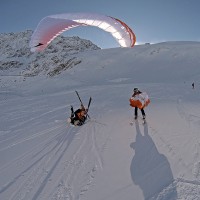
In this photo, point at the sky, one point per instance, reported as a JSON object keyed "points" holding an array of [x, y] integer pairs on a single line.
{"points": [[152, 21]]}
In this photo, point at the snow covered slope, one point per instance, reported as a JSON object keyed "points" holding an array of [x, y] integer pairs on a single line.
{"points": [[44, 158]]}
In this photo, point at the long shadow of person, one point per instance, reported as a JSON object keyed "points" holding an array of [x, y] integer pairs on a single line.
{"points": [[151, 170]]}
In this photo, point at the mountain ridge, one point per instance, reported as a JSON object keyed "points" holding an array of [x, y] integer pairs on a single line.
{"points": [[59, 55]]}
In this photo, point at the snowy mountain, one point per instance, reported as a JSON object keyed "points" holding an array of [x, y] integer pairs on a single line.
{"points": [[60, 54], [42, 157]]}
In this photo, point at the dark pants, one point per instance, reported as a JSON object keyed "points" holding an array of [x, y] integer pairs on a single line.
{"points": [[142, 111]]}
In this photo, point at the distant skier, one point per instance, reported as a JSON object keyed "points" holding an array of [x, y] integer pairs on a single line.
{"points": [[139, 100], [78, 117], [192, 85]]}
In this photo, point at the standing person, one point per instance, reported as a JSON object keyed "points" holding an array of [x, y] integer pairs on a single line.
{"points": [[139, 100]]}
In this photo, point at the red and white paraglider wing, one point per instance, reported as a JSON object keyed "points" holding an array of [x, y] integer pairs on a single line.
{"points": [[48, 29], [52, 26], [142, 100]]}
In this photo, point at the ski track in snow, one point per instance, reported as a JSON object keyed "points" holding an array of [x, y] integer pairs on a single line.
{"points": [[193, 122], [186, 189], [52, 164]]}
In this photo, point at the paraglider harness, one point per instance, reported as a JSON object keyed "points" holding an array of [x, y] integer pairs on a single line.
{"points": [[79, 117]]}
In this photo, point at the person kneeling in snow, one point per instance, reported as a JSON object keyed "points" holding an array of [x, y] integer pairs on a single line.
{"points": [[79, 116]]}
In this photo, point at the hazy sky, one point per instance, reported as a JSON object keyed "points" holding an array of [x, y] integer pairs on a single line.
{"points": [[151, 20]]}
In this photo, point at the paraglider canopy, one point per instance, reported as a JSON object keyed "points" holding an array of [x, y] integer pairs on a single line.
{"points": [[52, 26]]}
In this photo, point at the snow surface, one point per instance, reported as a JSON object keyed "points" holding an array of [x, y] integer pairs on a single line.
{"points": [[44, 158]]}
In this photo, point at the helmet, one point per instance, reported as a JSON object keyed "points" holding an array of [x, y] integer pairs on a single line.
{"points": [[135, 90]]}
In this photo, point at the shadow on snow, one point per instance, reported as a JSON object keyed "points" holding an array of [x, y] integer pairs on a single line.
{"points": [[150, 170]]}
